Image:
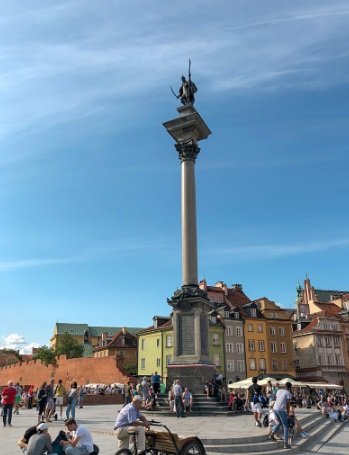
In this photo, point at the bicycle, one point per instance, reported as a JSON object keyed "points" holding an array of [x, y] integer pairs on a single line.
{"points": [[164, 442]]}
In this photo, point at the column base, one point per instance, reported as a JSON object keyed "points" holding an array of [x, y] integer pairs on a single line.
{"points": [[194, 376]]}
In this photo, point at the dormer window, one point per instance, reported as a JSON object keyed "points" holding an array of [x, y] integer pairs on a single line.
{"points": [[253, 312], [226, 314]]}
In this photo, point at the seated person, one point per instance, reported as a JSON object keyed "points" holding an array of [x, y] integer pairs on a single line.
{"points": [[39, 443], [23, 442], [295, 422], [79, 439], [187, 398], [150, 401], [130, 415]]}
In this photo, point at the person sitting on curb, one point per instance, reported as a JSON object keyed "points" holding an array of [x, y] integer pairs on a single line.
{"points": [[79, 439], [130, 415]]}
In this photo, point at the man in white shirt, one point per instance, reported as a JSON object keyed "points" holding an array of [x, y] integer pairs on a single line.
{"points": [[281, 408], [79, 439]]}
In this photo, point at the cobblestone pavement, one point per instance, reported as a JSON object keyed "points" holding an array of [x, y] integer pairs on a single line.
{"points": [[100, 420]]}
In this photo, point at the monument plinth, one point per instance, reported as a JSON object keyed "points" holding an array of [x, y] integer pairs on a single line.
{"points": [[190, 304]]}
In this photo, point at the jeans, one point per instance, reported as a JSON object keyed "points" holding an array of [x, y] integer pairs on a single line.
{"points": [[7, 411], [71, 409], [282, 417], [179, 406]]}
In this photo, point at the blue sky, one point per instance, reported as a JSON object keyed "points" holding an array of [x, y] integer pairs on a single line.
{"points": [[90, 180]]}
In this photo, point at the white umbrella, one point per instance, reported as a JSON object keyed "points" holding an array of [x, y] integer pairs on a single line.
{"points": [[244, 384]]}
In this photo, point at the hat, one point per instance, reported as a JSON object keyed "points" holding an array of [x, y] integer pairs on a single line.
{"points": [[42, 427]]}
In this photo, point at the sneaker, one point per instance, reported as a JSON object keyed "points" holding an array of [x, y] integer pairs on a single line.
{"points": [[257, 424], [260, 424], [272, 437], [287, 446]]}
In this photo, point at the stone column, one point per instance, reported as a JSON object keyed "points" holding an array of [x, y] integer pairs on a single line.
{"points": [[187, 154], [190, 304]]}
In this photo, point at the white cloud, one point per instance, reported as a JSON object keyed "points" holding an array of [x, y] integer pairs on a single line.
{"points": [[18, 343], [91, 254], [52, 72], [270, 251]]}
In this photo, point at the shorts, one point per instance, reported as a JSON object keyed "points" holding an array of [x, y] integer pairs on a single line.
{"points": [[59, 401], [256, 407], [50, 404]]}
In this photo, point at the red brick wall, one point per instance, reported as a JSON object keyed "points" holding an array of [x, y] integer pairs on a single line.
{"points": [[83, 370]]}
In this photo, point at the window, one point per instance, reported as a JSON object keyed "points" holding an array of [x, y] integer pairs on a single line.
{"points": [[158, 362], [336, 341], [228, 331], [230, 365], [329, 360], [253, 312], [284, 365], [168, 341], [273, 347], [272, 330], [229, 347], [261, 347], [168, 359], [226, 314], [215, 338], [249, 327], [274, 364], [251, 345], [271, 315], [252, 364], [260, 328], [262, 364], [158, 342], [319, 341], [339, 360], [236, 315], [143, 344], [240, 366], [283, 347], [238, 331], [121, 354], [282, 331], [320, 360], [334, 327], [142, 364], [239, 348], [328, 341]]}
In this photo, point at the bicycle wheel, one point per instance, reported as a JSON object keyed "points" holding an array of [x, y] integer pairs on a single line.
{"points": [[123, 452], [193, 448]]}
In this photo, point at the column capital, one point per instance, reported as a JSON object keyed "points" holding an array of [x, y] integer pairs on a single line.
{"points": [[187, 151]]}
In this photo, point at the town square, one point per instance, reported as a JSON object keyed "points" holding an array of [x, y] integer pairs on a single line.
{"points": [[173, 262]]}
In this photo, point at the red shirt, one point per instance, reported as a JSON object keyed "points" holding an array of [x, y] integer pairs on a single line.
{"points": [[8, 395]]}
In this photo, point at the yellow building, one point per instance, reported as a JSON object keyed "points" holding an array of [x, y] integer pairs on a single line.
{"points": [[268, 339], [155, 347]]}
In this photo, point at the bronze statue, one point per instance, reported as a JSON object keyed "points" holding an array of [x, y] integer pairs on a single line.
{"points": [[186, 90]]}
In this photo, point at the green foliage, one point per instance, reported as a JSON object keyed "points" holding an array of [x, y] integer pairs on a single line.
{"points": [[131, 369], [46, 354], [67, 345]]}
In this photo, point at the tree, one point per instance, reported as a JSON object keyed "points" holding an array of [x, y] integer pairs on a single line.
{"points": [[67, 344], [46, 354]]}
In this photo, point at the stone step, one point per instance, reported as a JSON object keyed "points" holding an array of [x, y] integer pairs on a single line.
{"points": [[320, 430]]}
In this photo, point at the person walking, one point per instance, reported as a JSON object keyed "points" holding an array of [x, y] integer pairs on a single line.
{"points": [[59, 396], [281, 410], [8, 396], [71, 400], [253, 394]]}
